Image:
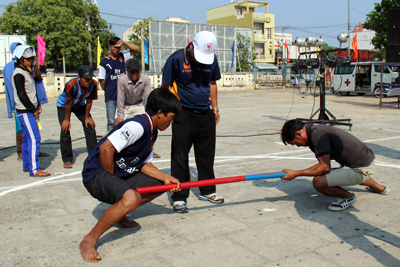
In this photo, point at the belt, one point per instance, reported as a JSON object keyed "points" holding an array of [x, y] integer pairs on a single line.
{"points": [[197, 111]]}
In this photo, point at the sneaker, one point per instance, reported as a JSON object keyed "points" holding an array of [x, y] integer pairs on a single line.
{"points": [[213, 198], [385, 190], [342, 204], [180, 206]]}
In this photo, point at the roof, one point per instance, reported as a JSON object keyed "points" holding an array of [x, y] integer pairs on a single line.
{"points": [[358, 28]]}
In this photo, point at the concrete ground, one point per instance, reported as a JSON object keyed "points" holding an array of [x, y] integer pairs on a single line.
{"points": [[262, 223]]}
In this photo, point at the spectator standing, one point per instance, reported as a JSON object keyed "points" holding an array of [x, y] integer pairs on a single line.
{"points": [[111, 68], [77, 97], [28, 107], [191, 73], [41, 93], [133, 91]]}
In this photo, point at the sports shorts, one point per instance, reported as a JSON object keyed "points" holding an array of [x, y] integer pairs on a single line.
{"points": [[109, 188], [347, 176]]}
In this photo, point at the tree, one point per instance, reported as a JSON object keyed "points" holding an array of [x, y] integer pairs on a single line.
{"points": [[377, 21], [63, 25], [325, 46], [136, 36], [245, 52]]}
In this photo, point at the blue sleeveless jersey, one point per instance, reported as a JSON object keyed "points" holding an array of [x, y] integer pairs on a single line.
{"points": [[129, 159]]}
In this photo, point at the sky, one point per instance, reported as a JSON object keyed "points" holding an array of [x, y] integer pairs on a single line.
{"points": [[325, 18]]}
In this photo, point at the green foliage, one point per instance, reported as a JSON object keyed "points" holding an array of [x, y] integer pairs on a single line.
{"points": [[245, 52], [377, 21], [63, 25], [325, 46], [135, 37]]}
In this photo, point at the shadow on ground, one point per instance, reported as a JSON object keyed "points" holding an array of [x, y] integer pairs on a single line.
{"points": [[311, 205]]}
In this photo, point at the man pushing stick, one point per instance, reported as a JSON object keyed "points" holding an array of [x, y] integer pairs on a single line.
{"points": [[121, 162], [329, 143]]}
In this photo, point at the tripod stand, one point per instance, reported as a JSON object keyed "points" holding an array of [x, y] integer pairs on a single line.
{"points": [[323, 118]]}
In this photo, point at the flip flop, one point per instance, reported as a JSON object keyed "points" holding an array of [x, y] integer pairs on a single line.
{"points": [[41, 173], [43, 155], [19, 158], [156, 156], [68, 165]]}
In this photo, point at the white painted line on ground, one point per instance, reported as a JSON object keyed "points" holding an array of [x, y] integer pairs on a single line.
{"points": [[390, 130], [387, 165], [381, 139], [220, 159], [20, 187]]}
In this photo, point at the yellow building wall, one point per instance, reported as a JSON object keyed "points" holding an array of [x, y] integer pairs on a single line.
{"points": [[221, 12], [226, 15]]}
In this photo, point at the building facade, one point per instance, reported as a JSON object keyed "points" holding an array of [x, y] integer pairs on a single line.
{"points": [[245, 14]]}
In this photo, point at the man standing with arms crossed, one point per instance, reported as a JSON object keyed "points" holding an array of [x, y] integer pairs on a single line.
{"points": [[111, 68], [191, 73]]}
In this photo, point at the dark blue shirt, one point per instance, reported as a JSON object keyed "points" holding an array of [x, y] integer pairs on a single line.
{"points": [[115, 68], [192, 89], [135, 149]]}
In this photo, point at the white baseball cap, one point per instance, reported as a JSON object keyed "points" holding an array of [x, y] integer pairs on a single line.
{"points": [[204, 44]]}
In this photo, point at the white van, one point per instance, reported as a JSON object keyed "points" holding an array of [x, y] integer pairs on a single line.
{"points": [[360, 77]]}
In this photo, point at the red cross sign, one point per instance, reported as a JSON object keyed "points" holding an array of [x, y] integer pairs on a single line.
{"points": [[347, 82]]}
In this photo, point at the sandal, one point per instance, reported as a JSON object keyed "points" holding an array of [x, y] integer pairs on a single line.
{"points": [[180, 206], [385, 190], [19, 158], [68, 165], [41, 173], [43, 155], [156, 156]]}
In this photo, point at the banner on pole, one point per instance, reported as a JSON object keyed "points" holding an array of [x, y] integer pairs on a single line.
{"points": [[41, 44], [146, 52], [98, 51]]}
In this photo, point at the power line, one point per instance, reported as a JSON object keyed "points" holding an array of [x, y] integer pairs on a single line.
{"points": [[119, 16]]}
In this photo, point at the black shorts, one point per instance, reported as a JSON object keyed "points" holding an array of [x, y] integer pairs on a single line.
{"points": [[109, 188]]}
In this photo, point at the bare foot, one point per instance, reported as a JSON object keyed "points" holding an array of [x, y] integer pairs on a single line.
{"points": [[127, 223], [88, 251]]}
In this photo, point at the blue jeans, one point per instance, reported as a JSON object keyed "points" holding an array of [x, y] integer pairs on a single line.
{"points": [[111, 107]]}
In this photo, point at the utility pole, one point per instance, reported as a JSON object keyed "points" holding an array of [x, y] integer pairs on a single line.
{"points": [[142, 48], [89, 44], [348, 28], [283, 57]]}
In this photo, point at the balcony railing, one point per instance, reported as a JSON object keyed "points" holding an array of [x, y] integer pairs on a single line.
{"points": [[260, 36], [259, 15]]}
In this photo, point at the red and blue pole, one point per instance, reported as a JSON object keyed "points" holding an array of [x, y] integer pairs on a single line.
{"points": [[163, 188]]}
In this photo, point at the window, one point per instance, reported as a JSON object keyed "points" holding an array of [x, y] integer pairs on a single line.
{"points": [[269, 33], [259, 29], [344, 70], [378, 69], [259, 49], [240, 11]]}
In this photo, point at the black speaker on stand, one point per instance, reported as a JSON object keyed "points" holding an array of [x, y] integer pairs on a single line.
{"points": [[393, 36]]}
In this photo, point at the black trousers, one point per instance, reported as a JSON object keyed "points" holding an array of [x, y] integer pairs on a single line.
{"points": [[65, 137], [199, 130]]}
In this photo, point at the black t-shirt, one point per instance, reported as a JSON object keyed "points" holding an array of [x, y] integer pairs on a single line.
{"points": [[343, 147]]}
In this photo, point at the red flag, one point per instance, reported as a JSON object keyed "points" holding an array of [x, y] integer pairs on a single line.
{"points": [[287, 51], [354, 45], [41, 44]]}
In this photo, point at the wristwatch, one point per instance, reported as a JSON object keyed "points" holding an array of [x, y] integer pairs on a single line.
{"points": [[215, 109]]}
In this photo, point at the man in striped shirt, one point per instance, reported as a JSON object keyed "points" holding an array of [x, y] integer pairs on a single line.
{"points": [[77, 97]]}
